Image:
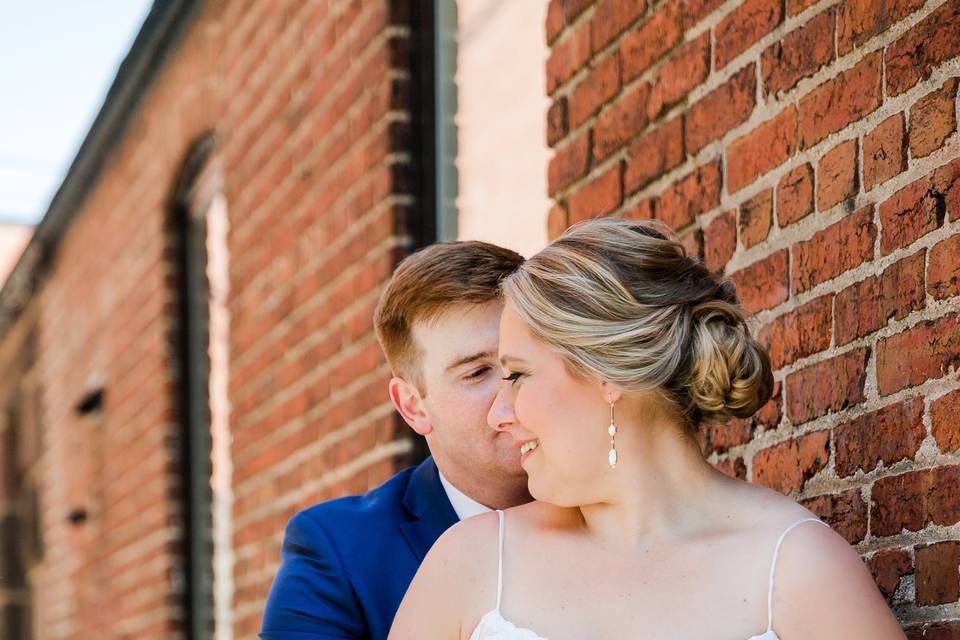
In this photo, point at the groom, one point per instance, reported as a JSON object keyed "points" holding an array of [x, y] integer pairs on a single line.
{"points": [[348, 562]]}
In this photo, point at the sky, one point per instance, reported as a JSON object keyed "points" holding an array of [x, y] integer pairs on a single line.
{"points": [[57, 60]]}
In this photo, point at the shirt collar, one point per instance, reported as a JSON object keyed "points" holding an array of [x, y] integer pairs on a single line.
{"points": [[464, 505]]}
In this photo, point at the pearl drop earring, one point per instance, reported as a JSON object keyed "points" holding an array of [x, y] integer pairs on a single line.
{"points": [[612, 430]]}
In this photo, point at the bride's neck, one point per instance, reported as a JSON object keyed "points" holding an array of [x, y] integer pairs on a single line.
{"points": [[660, 490]]}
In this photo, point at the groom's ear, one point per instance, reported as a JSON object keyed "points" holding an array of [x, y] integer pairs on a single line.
{"points": [[406, 398]]}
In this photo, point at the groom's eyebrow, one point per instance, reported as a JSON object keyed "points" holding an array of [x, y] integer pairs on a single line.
{"points": [[483, 355]]}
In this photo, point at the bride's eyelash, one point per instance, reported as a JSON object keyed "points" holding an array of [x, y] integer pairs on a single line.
{"points": [[513, 376]]}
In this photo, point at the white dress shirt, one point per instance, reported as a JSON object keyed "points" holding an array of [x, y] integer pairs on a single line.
{"points": [[464, 505]]}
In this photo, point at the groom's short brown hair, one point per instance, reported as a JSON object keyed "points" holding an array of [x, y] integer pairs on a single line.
{"points": [[427, 283]]}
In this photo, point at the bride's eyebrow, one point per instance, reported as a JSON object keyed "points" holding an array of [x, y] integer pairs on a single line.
{"points": [[504, 359]]}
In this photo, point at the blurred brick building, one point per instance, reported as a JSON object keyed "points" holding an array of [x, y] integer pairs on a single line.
{"points": [[186, 353]]}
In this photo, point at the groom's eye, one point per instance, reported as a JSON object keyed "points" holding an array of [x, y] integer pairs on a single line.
{"points": [[478, 373]]}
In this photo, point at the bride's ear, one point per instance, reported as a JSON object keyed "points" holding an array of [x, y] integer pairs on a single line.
{"points": [[610, 392]]}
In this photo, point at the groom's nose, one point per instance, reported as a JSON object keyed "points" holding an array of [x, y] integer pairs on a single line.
{"points": [[500, 416]]}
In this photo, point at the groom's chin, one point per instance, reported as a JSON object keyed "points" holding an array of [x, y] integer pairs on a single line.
{"points": [[514, 468], [510, 463]]}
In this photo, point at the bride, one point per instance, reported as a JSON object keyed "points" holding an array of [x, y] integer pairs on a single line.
{"points": [[615, 346]]}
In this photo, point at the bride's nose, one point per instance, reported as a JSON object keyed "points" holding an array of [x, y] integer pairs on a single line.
{"points": [[500, 416]]}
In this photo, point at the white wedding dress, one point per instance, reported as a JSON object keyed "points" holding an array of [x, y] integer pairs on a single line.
{"points": [[493, 626]]}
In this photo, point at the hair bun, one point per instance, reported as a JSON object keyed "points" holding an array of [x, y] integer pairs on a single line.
{"points": [[731, 374]]}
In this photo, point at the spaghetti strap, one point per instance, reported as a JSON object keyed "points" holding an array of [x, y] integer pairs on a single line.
{"points": [[773, 566], [500, 562]]}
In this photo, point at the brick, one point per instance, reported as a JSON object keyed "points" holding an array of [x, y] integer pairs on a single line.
{"points": [[911, 213], [720, 241], [943, 273], [766, 418], [557, 221], [555, 22], [799, 333], [557, 128], [827, 386], [721, 437], [684, 70], [645, 45], [643, 210], [866, 306], [696, 193], [569, 163], [919, 51], [611, 18], [743, 26], [763, 149], [914, 499], [787, 466], [946, 183], [756, 218], [837, 175], [653, 155], [598, 197], [845, 512], [934, 631], [943, 419], [889, 435], [884, 152], [888, 567], [618, 124], [601, 83], [763, 284], [568, 57], [860, 20], [834, 250], [795, 195], [733, 467], [721, 110], [938, 575], [928, 350], [800, 54], [851, 96], [573, 8], [693, 11], [795, 7], [933, 119]]}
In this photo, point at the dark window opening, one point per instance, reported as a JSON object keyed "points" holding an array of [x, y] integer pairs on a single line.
{"points": [[192, 294]]}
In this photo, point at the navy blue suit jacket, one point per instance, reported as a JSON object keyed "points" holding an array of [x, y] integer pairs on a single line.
{"points": [[348, 562]]}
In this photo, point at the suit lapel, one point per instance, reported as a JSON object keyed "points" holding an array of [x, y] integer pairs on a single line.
{"points": [[429, 507]]}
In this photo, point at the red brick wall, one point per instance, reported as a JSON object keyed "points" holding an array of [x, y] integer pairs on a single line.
{"points": [[809, 150], [310, 105], [317, 144]]}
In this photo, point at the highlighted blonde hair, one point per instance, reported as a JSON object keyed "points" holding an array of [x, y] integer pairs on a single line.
{"points": [[621, 300]]}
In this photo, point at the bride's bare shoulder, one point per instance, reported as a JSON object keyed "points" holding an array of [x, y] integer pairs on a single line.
{"points": [[459, 570], [823, 588], [762, 510], [468, 543]]}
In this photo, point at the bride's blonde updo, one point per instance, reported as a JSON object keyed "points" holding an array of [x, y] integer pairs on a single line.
{"points": [[622, 301]]}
